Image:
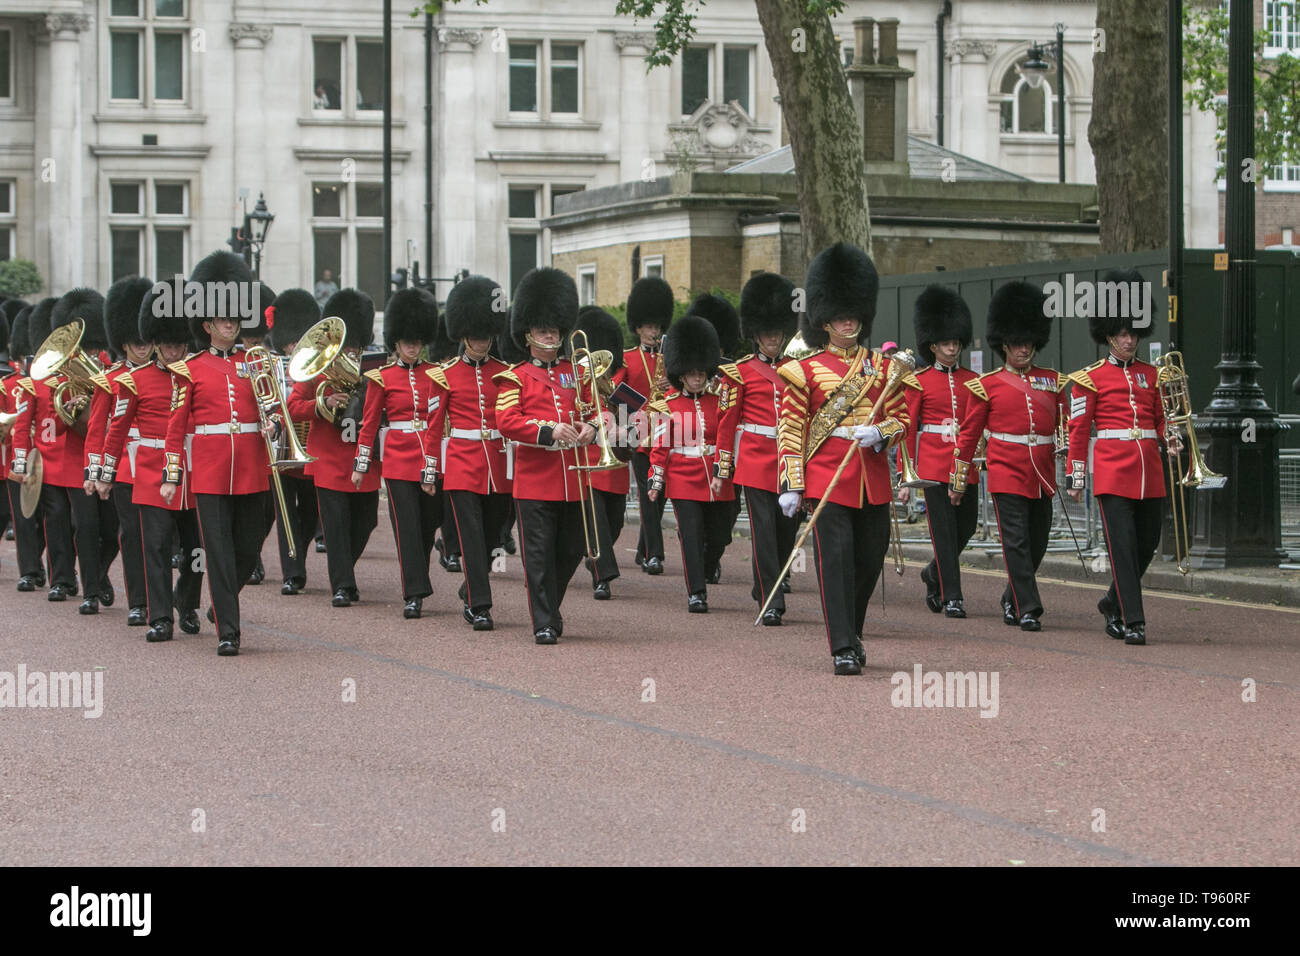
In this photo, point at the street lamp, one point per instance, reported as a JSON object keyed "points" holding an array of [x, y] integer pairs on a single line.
{"points": [[1034, 70], [256, 225]]}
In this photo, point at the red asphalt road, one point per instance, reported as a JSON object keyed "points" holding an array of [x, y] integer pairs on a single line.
{"points": [[467, 748]]}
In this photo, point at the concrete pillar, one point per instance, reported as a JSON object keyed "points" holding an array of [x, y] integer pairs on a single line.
{"points": [[972, 123], [248, 122], [60, 176], [455, 207], [633, 105]]}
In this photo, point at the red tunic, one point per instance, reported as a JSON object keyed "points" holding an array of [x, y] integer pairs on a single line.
{"points": [[1017, 409], [10, 397], [327, 443], [1124, 403], [936, 411], [810, 383], [142, 400], [410, 399], [642, 366], [215, 416], [474, 453], [62, 449], [535, 397], [102, 407], [751, 407], [684, 447]]}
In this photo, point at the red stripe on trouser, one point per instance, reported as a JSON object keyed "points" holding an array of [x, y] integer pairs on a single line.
{"points": [[1002, 542], [523, 559], [1119, 598], [397, 535], [821, 586]]}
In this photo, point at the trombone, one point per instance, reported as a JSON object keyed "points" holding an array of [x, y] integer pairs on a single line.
{"points": [[270, 401], [592, 370], [1176, 401]]}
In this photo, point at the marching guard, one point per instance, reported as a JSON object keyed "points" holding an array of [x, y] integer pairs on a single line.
{"points": [[837, 410], [29, 532], [942, 323], [1020, 405], [1120, 396], [747, 449], [536, 410], [404, 393], [649, 314]]}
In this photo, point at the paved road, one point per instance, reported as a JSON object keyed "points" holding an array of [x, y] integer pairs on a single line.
{"points": [[486, 749]]}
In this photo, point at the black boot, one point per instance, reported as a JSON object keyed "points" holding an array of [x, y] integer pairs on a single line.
{"points": [[160, 631]]}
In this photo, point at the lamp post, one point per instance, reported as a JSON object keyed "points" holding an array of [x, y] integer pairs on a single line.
{"points": [[256, 225], [1035, 70]]}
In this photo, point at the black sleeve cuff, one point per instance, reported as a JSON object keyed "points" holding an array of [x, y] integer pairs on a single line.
{"points": [[545, 436]]}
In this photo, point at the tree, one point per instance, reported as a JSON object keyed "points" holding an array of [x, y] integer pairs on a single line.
{"points": [[1129, 130], [830, 169], [1277, 85], [20, 277]]}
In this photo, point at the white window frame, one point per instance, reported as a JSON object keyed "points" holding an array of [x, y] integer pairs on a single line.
{"points": [[147, 27], [542, 77], [710, 93], [9, 220], [348, 223], [587, 273], [13, 70], [148, 220], [349, 107], [718, 73], [653, 262], [1049, 104], [1288, 11]]}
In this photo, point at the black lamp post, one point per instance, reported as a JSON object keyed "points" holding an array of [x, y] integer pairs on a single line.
{"points": [[1034, 70], [256, 225]]}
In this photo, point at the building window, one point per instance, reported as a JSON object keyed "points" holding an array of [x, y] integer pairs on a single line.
{"points": [[327, 254], [147, 51], [653, 266], [370, 76], [6, 66], [523, 256], [148, 228], [696, 70], [370, 201], [327, 74], [345, 239], [7, 220], [717, 74], [340, 64], [1282, 24], [558, 191], [560, 64], [521, 202], [564, 78], [735, 76], [1025, 109], [523, 77], [370, 264], [587, 284]]}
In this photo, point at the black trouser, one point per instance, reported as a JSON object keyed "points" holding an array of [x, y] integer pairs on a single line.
{"points": [[450, 536], [849, 546], [550, 536], [771, 539], [950, 528], [128, 523], [1024, 525], [95, 525], [231, 529], [1132, 527], [415, 517], [650, 539], [29, 534], [158, 526], [300, 497], [476, 522], [611, 512], [700, 526], [347, 518], [269, 518], [507, 527], [56, 506]]}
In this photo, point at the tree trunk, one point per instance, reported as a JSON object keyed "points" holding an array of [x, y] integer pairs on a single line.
{"points": [[1129, 131], [830, 171]]}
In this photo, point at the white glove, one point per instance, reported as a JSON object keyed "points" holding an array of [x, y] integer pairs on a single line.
{"points": [[789, 502], [868, 436]]}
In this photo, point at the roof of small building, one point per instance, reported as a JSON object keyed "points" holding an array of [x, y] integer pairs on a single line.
{"points": [[925, 158]]}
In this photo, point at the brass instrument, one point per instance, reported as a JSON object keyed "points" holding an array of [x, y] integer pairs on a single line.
{"points": [[798, 349], [1062, 436], [1176, 400], [592, 370], [270, 401], [61, 354], [29, 496], [320, 353]]}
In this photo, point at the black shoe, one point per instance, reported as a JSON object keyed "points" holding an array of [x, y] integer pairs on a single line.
{"points": [[467, 614], [341, 598], [772, 617], [137, 617], [290, 586], [9, 534], [412, 609], [846, 662], [785, 586], [257, 577], [27, 583], [177, 558], [212, 616], [453, 564], [229, 647], [1030, 623], [697, 604], [954, 608], [61, 592], [932, 600], [161, 631], [320, 545], [1009, 615], [107, 595], [482, 620], [89, 606], [1114, 627], [354, 595], [190, 622], [860, 651], [714, 576], [1135, 634], [546, 635], [601, 591], [509, 545], [653, 566]]}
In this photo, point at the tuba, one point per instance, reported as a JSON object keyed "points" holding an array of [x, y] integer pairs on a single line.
{"points": [[320, 354], [270, 402], [61, 354]]}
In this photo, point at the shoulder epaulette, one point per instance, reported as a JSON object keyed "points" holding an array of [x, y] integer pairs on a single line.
{"points": [[976, 385], [910, 381], [376, 375], [438, 375], [114, 367], [181, 369], [745, 358], [127, 382], [660, 405], [27, 385], [100, 379], [1062, 381], [792, 372], [730, 371], [448, 363], [508, 375], [1082, 377]]}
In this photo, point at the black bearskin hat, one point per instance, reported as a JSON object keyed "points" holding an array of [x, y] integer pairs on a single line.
{"points": [[20, 343], [1102, 328], [509, 351], [475, 309], [8, 316], [722, 315], [88, 306], [4, 332], [650, 303], [38, 323], [1016, 316], [122, 312], [292, 313], [443, 346], [220, 267], [411, 316], [940, 316], [545, 298], [603, 332], [691, 346], [265, 299], [357, 310], [842, 282], [165, 329], [767, 305]]}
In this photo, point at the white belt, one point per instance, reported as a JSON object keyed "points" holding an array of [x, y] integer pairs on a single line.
{"points": [[1024, 439], [767, 431], [408, 426], [150, 443], [228, 428], [475, 434], [133, 433], [695, 451], [1126, 434], [939, 429], [135, 444]]}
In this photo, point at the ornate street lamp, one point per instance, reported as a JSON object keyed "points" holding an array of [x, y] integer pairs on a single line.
{"points": [[256, 225], [1034, 70]]}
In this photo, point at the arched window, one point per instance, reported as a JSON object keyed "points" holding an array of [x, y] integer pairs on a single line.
{"points": [[1026, 108]]}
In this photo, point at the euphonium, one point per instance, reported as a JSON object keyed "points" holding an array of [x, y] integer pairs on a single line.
{"points": [[320, 353], [61, 354], [270, 401]]}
